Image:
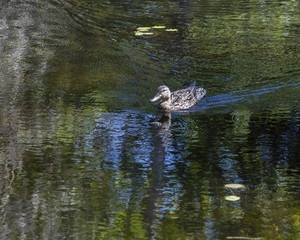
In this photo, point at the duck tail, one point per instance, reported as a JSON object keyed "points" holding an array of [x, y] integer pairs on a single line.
{"points": [[193, 89], [193, 84], [200, 93]]}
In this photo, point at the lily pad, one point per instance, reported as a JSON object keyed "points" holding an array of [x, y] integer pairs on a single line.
{"points": [[171, 30], [235, 185], [158, 27], [143, 28], [139, 33], [232, 198]]}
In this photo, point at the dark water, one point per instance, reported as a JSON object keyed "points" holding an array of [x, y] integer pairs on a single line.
{"points": [[82, 155]]}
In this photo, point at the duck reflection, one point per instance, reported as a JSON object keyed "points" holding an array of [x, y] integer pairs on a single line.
{"points": [[164, 122], [161, 140]]}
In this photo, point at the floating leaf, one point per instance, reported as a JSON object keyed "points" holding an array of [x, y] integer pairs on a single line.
{"points": [[235, 185], [232, 198], [143, 29], [158, 27], [148, 33], [139, 33], [171, 30]]}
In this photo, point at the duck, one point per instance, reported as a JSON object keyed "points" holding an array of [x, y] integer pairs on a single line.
{"points": [[180, 99]]}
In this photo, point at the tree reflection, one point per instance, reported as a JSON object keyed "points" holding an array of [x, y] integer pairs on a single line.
{"points": [[79, 157]]}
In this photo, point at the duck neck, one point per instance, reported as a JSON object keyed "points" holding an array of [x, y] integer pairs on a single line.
{"points": [[165, 104]]}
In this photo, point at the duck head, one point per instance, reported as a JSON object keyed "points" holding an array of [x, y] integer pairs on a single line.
{"points": [[163, 93]]}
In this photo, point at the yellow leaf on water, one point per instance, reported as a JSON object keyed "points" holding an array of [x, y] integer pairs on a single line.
{"points": [[158, 27], [138, 33], [143, 28], [235, 185], [172, 30], [232, 198], [148, 33]]}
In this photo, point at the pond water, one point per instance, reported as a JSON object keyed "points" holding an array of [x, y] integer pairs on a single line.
{"points": [[84, 155]]}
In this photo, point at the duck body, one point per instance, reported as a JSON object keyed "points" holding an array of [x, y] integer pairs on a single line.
{"points": [[180, 99]]}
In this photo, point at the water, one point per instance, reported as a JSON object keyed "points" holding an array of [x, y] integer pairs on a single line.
{"points": [[83, 153]]}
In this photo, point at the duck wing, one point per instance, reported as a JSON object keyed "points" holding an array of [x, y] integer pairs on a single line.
{"points": [[198, 92], [184, 98]]}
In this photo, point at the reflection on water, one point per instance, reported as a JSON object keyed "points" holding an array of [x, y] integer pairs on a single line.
{"points": [[83, 154]]}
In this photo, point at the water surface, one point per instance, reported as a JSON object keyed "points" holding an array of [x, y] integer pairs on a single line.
{"points": [[83, 153]]}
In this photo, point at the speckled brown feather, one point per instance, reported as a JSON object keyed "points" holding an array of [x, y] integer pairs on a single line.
{"points": [[180, 99]]}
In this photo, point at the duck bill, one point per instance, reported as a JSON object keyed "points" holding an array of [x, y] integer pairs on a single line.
{"points": [[156, 98]]}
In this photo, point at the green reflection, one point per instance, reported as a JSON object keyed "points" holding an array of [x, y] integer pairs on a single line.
{"points": [[79, 155]]}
